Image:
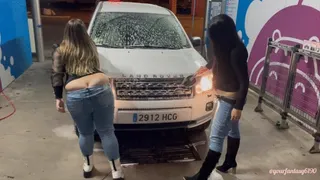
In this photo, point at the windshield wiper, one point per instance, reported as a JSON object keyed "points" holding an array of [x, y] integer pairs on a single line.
{"points": [[150, 47]]}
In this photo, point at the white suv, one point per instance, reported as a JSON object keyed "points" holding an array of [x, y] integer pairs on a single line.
{"points": [[147, 54]]}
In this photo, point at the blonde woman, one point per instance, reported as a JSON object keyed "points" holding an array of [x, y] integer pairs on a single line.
{"points": [[89, 96]]}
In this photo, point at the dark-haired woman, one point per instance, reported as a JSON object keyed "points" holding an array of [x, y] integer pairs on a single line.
{"points": [[230, 70]]}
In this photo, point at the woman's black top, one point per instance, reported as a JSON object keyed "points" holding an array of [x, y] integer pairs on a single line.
{"points": [[59, 76], [231, 75]]}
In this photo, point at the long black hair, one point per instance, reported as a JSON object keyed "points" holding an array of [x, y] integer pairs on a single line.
{"points": [[224, 36]]}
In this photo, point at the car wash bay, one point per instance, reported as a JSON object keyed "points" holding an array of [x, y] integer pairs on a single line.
{"points": [[37, 143]]}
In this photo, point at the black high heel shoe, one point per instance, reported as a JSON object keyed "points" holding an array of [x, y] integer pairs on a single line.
{"points": [[207, 167], [230, 159], [225, 167]]}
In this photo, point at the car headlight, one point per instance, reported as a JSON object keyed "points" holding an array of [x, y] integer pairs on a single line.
{"points": [[205, 83]]}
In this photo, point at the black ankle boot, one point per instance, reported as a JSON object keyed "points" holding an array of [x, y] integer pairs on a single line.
{"points": [[230, 159], [207, 167]]}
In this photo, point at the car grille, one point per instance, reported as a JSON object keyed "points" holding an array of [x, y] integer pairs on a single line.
{"points": [[151, 89]]}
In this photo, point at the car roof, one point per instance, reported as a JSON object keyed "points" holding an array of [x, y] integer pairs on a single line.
{"points": [[108, 6]]}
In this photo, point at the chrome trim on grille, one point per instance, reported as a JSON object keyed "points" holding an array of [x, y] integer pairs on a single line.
{"points": [[151, 89]]}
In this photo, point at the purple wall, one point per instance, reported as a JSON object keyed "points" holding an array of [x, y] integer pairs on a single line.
{"points": [[291, 25]]}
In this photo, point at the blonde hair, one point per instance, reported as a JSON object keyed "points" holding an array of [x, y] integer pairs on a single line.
{"points": [[77, 49]]}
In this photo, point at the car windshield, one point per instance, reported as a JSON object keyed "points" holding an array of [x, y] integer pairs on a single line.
{"points": [[138, 30]]}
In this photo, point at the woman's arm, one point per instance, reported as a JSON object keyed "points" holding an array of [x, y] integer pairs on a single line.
{"points": [[57, 75], [239, 58]]}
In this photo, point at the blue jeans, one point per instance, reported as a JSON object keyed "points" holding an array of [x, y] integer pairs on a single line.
{"points": [[93, 108], [223, 126]]}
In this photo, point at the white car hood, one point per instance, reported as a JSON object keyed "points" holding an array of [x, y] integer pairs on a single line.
{"points": [[148, 63]]}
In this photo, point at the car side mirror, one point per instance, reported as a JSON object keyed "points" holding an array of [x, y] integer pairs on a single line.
{"points": [[196, 41]]}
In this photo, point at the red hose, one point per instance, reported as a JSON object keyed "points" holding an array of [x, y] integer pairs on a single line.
{"points": [[12, 105]]}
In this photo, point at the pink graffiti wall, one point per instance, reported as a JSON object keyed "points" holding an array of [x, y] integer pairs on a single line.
{"points": [[289, 22]]}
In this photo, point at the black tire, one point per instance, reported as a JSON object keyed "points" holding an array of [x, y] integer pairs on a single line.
{"points": [[96, 135]]}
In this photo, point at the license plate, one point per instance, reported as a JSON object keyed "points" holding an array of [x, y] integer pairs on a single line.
{"points": [[144, 117], [153, 116]]}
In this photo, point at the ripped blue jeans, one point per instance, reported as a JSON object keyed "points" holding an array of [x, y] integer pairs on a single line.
{"points": [[223, 126]]}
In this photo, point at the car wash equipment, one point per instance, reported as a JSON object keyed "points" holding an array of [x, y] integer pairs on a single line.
{"points": [[117, 173], [87, 166], [230, 159], [207, 167]]}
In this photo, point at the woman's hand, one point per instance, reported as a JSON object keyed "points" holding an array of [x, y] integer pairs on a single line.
{"points": [[60, 105], [235, 114]]}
